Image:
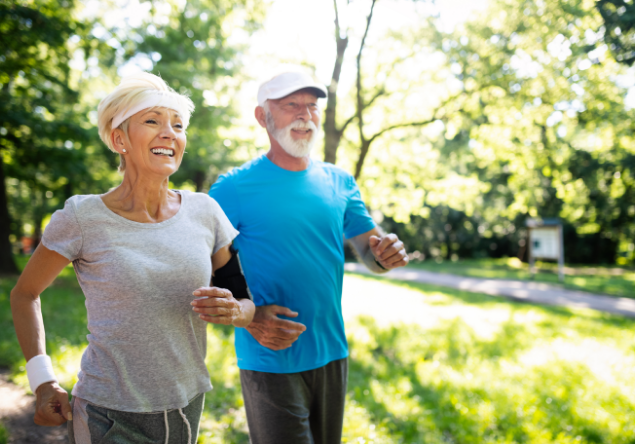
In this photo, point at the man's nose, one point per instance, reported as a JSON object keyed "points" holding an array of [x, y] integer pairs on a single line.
{"points": [[304, 113]]}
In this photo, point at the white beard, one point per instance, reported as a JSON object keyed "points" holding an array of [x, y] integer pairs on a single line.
{"points": [[295, 148]]}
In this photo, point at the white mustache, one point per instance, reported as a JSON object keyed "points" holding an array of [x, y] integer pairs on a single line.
{"points": [[299, 124]]}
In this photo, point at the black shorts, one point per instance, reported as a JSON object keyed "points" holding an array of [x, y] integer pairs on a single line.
{"points": [[296, 408]]}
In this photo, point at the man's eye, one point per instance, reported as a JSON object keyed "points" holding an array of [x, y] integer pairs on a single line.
{"points": [[179, 126]]}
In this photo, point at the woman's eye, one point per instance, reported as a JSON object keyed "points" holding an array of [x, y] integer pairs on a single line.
{"points": [[151, 121]]}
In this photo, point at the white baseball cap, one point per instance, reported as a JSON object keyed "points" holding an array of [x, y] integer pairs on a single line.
{"points": [[286, 83]]}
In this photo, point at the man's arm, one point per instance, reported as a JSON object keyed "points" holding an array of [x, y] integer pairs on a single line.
{"points": [[379, 252]]}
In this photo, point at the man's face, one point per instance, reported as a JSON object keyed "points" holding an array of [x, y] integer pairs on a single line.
{"points": [[294, 121]]}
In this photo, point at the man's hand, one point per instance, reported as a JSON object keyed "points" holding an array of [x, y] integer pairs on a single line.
{"points": [[218, 306], [271, 331], [51, 406], [388, 250]]}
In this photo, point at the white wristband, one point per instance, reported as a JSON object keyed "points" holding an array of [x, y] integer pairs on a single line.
{"points": [[39, 370]]}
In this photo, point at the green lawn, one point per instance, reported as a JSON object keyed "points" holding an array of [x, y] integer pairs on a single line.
{"points": [[473, 369], [612, 281]]}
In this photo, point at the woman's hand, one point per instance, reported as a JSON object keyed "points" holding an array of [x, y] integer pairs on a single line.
{"points": [[218, 306], [51, 406]]}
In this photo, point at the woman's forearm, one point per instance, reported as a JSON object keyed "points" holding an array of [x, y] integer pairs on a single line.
{"points": [[40, 271], [248, 309], [27, 320]]}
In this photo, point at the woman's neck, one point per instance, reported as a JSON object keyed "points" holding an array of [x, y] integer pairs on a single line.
{"points": [[143, 199]]}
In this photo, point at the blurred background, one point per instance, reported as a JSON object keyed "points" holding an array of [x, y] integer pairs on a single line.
{"points": [[460, 119]]}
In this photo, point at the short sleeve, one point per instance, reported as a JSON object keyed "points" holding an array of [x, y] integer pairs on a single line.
{"points": [[224, 192], [224, 232], [63, 234], [356, 217]]}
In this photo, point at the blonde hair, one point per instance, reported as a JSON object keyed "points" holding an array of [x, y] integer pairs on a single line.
{"points": [[130, 92]]}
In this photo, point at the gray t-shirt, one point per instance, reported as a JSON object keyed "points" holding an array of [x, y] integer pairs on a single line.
{"points": [[146, 347]]}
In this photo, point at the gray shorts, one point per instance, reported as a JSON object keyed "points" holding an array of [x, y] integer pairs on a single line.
{"points": [[93, 424], [296, 408]]}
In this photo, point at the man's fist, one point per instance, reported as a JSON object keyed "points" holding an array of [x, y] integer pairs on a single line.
{"points": [[388, 250], [274, 332]]}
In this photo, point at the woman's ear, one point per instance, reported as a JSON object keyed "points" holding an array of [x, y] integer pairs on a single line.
{"points": [[117, 139]]}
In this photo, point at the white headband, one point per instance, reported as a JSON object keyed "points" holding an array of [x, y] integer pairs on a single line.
{"points": [[153, 98]]}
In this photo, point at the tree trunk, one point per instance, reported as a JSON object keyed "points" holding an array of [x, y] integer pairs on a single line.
{"points": [[362, 157], [199, 181], [332, 135], [364, 143], [38, 217], [448, 244], [7, 264]]}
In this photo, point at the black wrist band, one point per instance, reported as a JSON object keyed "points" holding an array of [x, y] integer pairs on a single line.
{"points": [[380, 265]]}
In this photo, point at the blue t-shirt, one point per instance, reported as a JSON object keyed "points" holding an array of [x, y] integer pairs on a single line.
{"points": [[291, 246]]}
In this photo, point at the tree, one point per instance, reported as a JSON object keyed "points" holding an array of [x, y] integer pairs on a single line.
{"points": [[368, 94], [518, 118], [619, 28], [545, 127], [333, 133], [37, 121]]}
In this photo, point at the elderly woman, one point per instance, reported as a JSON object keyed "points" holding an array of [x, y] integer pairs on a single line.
{"points": [[141, 253]]}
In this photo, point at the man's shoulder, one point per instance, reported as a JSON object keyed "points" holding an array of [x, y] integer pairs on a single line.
{"points": [[334, 171]]}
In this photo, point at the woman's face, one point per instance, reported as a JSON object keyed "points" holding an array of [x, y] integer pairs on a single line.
{"points": [[157, 140]]}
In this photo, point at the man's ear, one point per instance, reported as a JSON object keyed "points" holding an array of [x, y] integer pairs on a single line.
{"points": [[261, 116], [117, 139]]}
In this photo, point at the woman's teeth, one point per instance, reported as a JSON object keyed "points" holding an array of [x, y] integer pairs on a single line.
{"points": [[163, 151]]}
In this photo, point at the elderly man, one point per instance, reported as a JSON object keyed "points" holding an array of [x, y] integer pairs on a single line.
{"points": [[293, 214]]}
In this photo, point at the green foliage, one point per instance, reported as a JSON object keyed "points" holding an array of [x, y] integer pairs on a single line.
{"points": [[527, 119], [619, 23], [552, 134], [48, 149], [4, 435]]}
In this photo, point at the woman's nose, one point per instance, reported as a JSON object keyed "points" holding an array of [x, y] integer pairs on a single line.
{"points": [[167, 132]]}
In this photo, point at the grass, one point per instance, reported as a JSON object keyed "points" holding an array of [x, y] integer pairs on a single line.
{"points": [[613, 281], [469, 368]]}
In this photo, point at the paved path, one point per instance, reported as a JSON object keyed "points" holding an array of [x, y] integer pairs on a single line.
{"points": [[537, 292]]}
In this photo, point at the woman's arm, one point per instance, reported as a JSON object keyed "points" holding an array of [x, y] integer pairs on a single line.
{"points": [[218, 305], [43, 267]]}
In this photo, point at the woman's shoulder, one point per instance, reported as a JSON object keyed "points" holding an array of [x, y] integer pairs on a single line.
{"points": [[202, 201], [82, 202]]}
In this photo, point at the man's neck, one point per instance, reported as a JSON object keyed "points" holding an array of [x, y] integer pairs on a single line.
{"points": [[284, 160]]}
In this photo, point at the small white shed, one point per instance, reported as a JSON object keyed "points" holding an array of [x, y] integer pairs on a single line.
{"points": [[546, 242]]}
